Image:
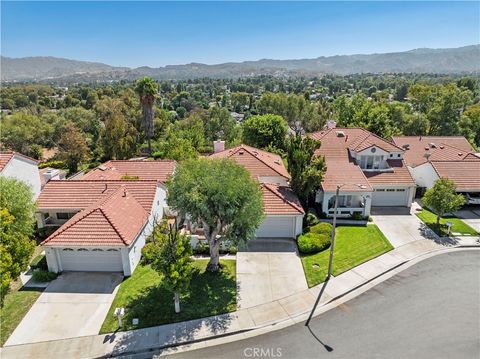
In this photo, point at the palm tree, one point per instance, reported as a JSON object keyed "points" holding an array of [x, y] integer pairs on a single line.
{"points": [[147, 89]]}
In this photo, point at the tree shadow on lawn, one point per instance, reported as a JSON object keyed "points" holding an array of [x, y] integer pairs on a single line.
{"points": [[209, 295], [432, 231]]}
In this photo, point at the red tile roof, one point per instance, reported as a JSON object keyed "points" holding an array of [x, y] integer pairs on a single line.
{"points": [[345, 173], [258, 162], [399, 175], [440, 148], [7, 156], [465, 174], [279, 200], [80, 194], [115, 220], [160, 170], [342, 168]]}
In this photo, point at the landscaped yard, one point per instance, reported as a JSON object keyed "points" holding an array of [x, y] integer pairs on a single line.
{"points": [[144, 297], [458, 226], [353, 246], [17, 304]]}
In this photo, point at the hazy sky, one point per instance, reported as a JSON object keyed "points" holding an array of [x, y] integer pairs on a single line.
{"points": [[160, 33]]}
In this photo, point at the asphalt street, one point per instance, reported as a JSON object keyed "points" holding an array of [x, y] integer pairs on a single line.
{"points": [[431, 310]]}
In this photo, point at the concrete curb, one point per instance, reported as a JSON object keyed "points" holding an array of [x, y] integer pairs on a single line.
{"points": [[295, 319]]}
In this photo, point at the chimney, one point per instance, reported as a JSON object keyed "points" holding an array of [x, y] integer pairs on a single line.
{"points": [[331, 124], [218, 146], [50, 174]]}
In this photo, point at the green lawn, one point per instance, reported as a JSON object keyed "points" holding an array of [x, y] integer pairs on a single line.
{"points": [[17, 304], [144, 297], [353, 246], [458, 226]]}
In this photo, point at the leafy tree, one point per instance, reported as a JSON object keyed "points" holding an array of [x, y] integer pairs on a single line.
{"points": [[221, 196], [118, 138], [305, 168], [416, 125], [221, 125], [442, 198], [17, 210], [263, 131], [176, 148], [147, 89], [73, 147], [173, 261], [470, 124]]}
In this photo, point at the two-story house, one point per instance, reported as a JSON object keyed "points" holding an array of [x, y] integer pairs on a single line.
{"points": [[369, 170]]}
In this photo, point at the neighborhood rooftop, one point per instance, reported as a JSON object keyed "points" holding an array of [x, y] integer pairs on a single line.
{"points": [[6, 156], [81, 194], [437, 148], [278, 200], [466, 178], [159, 170], [258, 162], [114, 220]]}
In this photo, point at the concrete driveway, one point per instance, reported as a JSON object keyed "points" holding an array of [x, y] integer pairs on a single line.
{"points": [[471, 216], [269, 269], [73, 305], [400, 224]]}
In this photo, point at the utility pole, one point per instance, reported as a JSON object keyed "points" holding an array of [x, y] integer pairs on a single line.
{"points": [[330, 261]]}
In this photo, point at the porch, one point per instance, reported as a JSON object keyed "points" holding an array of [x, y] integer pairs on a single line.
{"points": [[348, 203]]}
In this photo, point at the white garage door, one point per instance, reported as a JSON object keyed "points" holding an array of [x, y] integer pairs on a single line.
{"points": [[390, 197], [92, 260], [277, 227]]}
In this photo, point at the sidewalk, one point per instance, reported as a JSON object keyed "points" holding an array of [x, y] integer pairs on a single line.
{"points": [[292, 308]]}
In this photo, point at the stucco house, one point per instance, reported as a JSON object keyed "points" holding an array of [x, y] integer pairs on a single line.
{"points": [[21, 167], [103, 222], [283, 211], [370, 170], [430, 157]]}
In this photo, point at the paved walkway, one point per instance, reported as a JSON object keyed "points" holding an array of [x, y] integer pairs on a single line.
{"points": [[269, 270], [471, 217], [286, 310]]}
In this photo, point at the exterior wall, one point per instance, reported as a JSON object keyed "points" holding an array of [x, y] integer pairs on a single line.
{"points": [[424, 175], [51, 214], [24, 170]]}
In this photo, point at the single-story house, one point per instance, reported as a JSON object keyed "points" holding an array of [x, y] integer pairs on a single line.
{"points": [[283, 211], [369, 170], [430, 157], [103, 222], [21, 167]]}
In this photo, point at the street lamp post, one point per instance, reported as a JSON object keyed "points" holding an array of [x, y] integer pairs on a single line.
{"points": [[330, 261]]}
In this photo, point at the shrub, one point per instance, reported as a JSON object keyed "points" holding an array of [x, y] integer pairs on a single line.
{"points": [[322, 228], [311, 219], [370, 219], [43, 276], [201, 248], [53, 164], [313, 242], [39, 262], [357, 216], [149, 251]]}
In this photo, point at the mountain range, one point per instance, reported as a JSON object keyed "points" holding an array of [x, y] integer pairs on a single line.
{"points": [[442, 61]]}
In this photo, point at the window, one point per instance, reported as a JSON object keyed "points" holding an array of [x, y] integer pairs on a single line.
{"points": [[391, 155], [390, 190], [373, 150], [64, 215], [399, 155], [400, 190], [67, 249], [380, 190]]}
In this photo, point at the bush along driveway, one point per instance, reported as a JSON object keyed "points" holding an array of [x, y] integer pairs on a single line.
{"points": [[354, 245], [144, 297], [459, 228]]}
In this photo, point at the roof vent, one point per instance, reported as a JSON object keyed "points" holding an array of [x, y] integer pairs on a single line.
{"points": [[432, 145], [427, 155], [406, 146], [460, 153], [442, 147], [427, 148], [277, 162], [340, 133], [255, 153], [241, 152]]}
